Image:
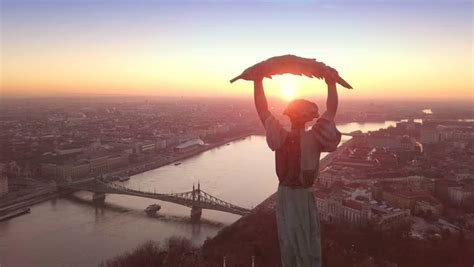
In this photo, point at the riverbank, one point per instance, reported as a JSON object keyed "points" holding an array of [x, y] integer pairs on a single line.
{"points": [[175, 157], [14, 214], [8, 209], [30, 199]]}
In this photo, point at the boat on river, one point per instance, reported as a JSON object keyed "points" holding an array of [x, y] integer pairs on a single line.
{"points": [[152, 209], [177, 163], [124, 178]]}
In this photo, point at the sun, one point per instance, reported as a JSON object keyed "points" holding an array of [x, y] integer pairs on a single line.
{"points": [[288, 85], [288, 91]]}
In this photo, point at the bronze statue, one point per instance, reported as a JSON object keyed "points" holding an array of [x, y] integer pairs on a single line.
{"points": [[297, 154]]}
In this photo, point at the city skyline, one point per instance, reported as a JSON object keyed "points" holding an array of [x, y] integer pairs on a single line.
{"points": [[401, 49]]}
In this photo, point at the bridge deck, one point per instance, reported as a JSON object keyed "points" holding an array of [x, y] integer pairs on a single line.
{"points": [[196, 198]]}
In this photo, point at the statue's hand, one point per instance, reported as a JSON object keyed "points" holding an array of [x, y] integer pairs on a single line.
{"points": [[258, 78], [331, 76]]}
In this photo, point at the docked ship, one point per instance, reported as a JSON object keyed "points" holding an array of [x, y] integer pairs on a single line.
{"points": [[14, 214]]}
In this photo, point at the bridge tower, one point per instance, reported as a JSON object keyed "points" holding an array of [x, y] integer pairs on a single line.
{"points": [[196, 211]]}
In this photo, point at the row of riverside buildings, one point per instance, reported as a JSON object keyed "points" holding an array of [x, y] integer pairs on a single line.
{"points": [[98, 159]]}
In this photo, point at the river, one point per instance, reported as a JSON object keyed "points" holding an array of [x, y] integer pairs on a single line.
{"points": [[73, 232]]}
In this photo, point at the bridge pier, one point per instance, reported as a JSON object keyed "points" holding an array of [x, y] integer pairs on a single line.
{"points": [[98, 197], [196, 214]]}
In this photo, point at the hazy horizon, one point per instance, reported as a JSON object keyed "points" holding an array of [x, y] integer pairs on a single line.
{"points": [[249, 96], [439, 105]]}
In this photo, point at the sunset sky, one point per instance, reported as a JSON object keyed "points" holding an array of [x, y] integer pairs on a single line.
{"points": [[385, 49]]}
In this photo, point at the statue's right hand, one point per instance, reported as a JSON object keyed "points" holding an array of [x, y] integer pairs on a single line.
{"points": [[331, 75]]}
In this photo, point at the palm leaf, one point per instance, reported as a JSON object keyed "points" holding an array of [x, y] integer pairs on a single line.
{"points": [[288, 64]]}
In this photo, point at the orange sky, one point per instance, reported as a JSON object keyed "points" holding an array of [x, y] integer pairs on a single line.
{"points": [[384, 52]]}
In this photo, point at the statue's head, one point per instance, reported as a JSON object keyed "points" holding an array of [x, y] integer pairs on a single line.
{"points": [[301, 111]]}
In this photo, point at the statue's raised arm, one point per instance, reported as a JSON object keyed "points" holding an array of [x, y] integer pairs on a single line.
{"points": [[260, 100]]}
